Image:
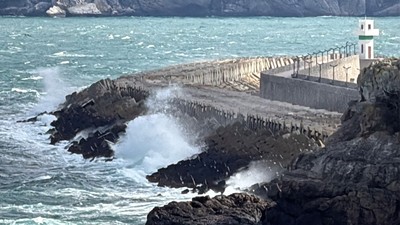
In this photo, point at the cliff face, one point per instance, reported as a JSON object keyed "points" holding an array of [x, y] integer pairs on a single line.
{"points": [[200, 7]]}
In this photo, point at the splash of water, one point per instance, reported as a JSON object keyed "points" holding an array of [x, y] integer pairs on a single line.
{"points": [[257, 172], [156, 140], [55, 89]]}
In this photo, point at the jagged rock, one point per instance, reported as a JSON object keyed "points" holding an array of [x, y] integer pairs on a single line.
{"points": [[240, 209], [380, 103], [56, 11], [227, 150], [84, 10], [355, 179], [352, 182], [380, 82], [101, 110]]}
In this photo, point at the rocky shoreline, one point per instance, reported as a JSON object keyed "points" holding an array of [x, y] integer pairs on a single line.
{"points": [[351, 178], [296, 8], [354, 179]]}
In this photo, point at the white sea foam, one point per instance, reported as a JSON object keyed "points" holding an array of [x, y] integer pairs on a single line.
{"points": [[67, 54], [64, 62], [154, 141], [257, 172], [20, 90]]}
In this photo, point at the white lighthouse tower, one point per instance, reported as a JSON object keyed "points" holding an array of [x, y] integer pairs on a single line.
{"points": [[366, 33]]}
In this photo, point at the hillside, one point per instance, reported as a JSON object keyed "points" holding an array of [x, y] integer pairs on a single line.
{"points": [[200, 8]]}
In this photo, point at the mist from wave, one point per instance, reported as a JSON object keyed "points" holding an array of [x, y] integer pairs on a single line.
{"points": [[155, 140]]}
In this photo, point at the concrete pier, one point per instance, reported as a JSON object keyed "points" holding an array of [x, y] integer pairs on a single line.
{"points": [[228, 90]]}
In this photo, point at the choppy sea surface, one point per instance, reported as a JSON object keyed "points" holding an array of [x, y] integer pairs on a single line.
{"points": [[43, 59]]}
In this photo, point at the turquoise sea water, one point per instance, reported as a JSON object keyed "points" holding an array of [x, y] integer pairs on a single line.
{"points": [[43, 59]]}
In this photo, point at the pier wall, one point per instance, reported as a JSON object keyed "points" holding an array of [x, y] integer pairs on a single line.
{"points": [[219, 72], [340, 72], [215, 73], [306, 93], [253, 122], [203, 112]]}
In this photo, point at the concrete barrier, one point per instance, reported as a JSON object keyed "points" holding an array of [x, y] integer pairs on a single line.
{"points": [[306, 93], [215, 73], [351, 62], [253, 122]]}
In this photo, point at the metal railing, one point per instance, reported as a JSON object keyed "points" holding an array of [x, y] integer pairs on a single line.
{"points": [[319, 58]]}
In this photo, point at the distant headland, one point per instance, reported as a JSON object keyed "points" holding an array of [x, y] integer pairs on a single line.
{"points": [[204, 8]]}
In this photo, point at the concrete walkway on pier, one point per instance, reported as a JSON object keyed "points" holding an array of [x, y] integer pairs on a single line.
{"points": [[244, 103]]}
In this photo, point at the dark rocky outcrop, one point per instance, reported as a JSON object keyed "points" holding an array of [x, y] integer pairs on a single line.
{"points": [[201, 8], [99, 111], [239, 209], [355, 179], [228, 150]]}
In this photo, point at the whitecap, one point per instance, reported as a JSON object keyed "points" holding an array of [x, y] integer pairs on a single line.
{"points": [[59, 53], [20, 90], [126, 38], [44, 177], [64, 62], [33, 78], [150, 46]]}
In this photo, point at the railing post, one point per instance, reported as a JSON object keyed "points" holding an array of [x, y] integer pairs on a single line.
{"points": [[309, 61], [320, 71], [347, 72], [333, 72]]}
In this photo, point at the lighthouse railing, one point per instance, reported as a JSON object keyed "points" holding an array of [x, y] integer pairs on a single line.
{"points": [[318, 58]]}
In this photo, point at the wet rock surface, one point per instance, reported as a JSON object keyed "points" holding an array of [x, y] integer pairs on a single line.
{"points": [[355, 179], [99, 113], [228, 150], [240, 209]]}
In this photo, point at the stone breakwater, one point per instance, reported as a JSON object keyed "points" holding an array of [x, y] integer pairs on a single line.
{"points": [[241, 74], [217, 89]]}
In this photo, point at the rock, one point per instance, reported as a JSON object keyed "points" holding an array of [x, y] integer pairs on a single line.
{"points": [[42, 7], [240, 209], [103, 6], [228, 150], [88, 9], [101, 111], [354, 180], [56, 11], [207, 7]]}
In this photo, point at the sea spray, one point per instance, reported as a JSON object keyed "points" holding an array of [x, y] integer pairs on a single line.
{"points": [[160, 101], [55, 89], [155, 140], [257, 172]]}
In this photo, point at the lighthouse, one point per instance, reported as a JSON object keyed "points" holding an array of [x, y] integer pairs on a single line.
{"points": [[366, 33]]}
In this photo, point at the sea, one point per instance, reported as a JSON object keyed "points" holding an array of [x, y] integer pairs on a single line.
{"points": [[44, 59]]}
